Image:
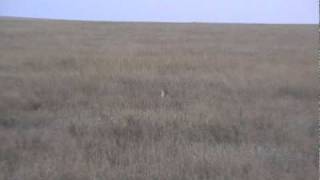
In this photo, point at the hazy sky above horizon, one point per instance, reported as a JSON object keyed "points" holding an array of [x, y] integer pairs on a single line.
{"points": [[248, 11]]}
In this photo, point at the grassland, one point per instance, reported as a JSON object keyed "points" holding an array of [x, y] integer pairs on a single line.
{"points": [[81, 101]]}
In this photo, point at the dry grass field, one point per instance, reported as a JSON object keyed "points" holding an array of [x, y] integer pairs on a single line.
{"points": [[82, 101]]}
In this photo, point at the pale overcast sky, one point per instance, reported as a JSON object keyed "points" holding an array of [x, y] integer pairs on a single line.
{"points": [[239, 11]]}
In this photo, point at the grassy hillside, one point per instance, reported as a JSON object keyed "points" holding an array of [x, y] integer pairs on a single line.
{"points": [[82, 101]]}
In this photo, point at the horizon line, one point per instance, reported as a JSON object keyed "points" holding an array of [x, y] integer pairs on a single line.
{"points": [[142, 21]]}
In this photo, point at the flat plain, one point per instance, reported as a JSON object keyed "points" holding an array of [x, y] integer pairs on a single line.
{"points": [[86, 101]]}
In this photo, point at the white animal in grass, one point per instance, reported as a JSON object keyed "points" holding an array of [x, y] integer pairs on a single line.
{"points": [[163, 93]]}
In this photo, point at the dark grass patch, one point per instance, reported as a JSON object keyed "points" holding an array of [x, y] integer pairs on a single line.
{"points": [[297, 92], [22, 122]]}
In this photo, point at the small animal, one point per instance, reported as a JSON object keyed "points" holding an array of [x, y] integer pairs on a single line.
{"points": [[163, 93]]}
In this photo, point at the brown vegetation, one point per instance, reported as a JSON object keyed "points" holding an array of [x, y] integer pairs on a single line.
{"points": [[81, 101]]}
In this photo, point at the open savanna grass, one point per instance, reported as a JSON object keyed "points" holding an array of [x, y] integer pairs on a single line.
{"points": [[81, 101]]}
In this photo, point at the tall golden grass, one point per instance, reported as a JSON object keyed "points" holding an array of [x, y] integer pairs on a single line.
{"points": [[82, 101]]}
